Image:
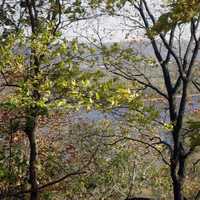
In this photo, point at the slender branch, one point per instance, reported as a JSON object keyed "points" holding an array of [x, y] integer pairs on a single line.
{"points": [[167, 45], [185, 58], [133, 78], [197, 85], [142, 142], [59, 16], [171, 41], [197, 196], [61, 179], [196, 162], [194, 56], [75, 173], [11, 193], [32, 17], [177, 84], [149, 12], [191, 150], [165, 71]]}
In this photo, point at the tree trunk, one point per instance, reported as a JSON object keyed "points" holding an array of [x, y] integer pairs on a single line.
{"points": [[177, 189], [30, 131], [178, 176]]}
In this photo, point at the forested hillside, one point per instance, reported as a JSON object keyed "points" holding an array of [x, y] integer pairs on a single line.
{"points": [[86, 118]]}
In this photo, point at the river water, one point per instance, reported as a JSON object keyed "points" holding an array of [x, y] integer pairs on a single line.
{"points": [[193, 105]]}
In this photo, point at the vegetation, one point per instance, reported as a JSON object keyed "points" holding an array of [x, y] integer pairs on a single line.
{"points": [[165, 27], [51, 150]]}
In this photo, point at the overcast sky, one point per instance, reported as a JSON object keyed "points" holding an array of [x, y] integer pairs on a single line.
{"points": [[113, 29]]}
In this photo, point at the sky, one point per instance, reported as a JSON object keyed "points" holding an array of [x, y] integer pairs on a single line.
{"points": [[112, 29]]}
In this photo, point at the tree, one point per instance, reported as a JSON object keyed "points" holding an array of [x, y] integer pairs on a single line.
{"points": [[176, 56], [40, 72]]}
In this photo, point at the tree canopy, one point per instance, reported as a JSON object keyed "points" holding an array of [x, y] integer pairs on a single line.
{"points": [[45, 75]]}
